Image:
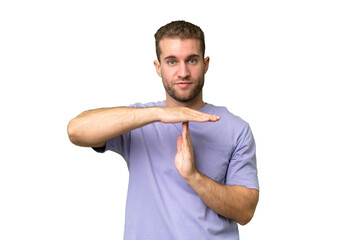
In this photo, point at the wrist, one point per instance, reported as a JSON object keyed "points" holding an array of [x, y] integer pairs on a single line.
{"points": [[193, 178], [152, 114], [156, 113]]}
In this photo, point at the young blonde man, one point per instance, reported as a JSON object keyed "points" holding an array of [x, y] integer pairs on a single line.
{"points": [[192, 165]]}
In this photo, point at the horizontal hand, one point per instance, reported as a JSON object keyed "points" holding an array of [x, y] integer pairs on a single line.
{"points": [[184, 114], [94, 127]]}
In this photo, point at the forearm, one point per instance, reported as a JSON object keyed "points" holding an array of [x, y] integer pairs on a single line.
{"points": [[234, 202], [94, 127]]}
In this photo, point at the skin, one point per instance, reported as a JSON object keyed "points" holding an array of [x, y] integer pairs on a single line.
{"points": [[182, 71]]}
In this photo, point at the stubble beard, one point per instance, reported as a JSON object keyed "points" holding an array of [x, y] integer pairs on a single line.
{"points": [[175, 95]]}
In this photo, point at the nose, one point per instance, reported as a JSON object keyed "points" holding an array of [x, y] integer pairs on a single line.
{"points": [[183, 71]]}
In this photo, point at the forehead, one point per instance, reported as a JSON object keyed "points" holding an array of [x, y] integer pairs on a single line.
{"points": [[180, 48]]}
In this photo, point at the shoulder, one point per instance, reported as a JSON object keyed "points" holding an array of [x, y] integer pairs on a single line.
{"points": [[231, 124], [227, 117]]}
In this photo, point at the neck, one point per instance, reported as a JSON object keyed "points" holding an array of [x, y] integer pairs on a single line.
{"points": [[195, 103]]}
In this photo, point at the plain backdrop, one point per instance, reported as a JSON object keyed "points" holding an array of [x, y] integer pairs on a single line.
{"points": [[289, 68]]}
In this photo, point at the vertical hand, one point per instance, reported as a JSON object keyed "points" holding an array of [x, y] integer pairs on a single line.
{"points": [[184, 159]]}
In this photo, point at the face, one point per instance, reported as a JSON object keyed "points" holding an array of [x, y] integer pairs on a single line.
{"points": [[182, 68]]}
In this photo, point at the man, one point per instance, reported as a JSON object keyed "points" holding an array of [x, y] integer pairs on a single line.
{"points": [[192, 165]]}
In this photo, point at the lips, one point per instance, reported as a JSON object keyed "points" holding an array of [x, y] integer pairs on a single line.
{"points": [[183, 84]]}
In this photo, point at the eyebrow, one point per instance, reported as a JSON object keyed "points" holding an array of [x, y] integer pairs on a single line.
{"points": [[187, 58], [169, 57], [193, 56]]}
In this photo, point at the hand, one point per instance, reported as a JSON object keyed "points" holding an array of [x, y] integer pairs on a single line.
{"points": [[184, 114], [184, 159]]}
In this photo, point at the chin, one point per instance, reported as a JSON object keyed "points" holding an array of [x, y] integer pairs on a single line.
{"points": [[184, 99]]}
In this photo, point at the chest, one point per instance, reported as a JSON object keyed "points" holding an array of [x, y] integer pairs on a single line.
{"points": [[154, 146]]}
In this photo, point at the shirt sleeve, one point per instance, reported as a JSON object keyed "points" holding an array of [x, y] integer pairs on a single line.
{"points": [[242, 168], [119, 144]]}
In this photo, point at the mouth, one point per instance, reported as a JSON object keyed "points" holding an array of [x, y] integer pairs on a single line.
{"points": [[183, 84]]}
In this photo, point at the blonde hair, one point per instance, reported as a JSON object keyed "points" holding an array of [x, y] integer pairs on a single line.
{"points": [[182, 30]]}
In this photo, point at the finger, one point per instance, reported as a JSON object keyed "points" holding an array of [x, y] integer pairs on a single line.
{"points": [[205, 117], [186, 134], [179, 143], [211, 117], [214, 118], [184, 130]]}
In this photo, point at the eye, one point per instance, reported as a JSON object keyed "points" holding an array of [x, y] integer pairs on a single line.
{"points": [[192, 61], [171, 62]]}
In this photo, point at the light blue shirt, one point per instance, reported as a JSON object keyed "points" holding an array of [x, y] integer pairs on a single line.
{"points": [[160, 204]]}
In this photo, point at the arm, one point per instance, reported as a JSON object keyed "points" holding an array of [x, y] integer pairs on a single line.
{"points": [[234, 202], [94, 127]]}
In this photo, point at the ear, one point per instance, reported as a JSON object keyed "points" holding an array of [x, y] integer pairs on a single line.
{"points": [[206, 62], [157, 67]]}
